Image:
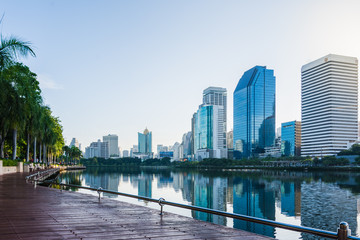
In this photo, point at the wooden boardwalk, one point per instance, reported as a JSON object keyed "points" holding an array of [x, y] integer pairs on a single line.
{"points": [[43, 213]]}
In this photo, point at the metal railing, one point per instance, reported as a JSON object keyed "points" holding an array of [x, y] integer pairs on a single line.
{"points": [[343, 232], [41, 175]]}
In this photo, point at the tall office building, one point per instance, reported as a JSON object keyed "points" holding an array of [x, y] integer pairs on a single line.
{"points": [[186, 143], [254, 112], [193, 135], [216, 96], [74, 142], [230, 139], [210, 135], [97, 149], [145, 141], [291, 138], [112, 140], [329, 105], [133, 150], [125, 153], [209, 125]]}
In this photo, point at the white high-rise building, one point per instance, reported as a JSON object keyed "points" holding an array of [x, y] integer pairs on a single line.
{"points": [[74, 142], [329, 105], [97, 149], [216, 96], [112, 139]]}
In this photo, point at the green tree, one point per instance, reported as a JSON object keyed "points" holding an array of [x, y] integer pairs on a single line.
{"points": [[11, 49]]}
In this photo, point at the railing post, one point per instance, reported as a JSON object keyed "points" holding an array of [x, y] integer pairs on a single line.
{"points": [[343, 231], [99, 192], [161, 205]]}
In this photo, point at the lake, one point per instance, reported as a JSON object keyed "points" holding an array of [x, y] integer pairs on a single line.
{"points": [[314, 199]]}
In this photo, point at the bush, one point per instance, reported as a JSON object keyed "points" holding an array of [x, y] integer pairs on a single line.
{"points": [[9, 162], [333, 161], [357, 160]]}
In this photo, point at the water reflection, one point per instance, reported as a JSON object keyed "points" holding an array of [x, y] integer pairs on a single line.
{"points": [[319, 200]]}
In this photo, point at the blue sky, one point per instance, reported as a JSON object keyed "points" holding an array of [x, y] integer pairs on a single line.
{"points": [[120, 66]]}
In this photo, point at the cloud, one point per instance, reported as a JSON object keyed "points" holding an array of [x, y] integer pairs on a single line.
{"points": [[46, 82]]}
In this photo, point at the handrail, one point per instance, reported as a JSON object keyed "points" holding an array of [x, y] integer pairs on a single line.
{"points": [[36, 176], [342, 234]]}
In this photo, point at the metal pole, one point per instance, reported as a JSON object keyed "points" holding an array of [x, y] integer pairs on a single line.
{"points": [[161, 200], [343, 231], [99, 192]]}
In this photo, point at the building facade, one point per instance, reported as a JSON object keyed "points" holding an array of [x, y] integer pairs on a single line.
{"points": [[216, 96], [97, 149], [210, 135], [254, 112], [125, 153], [113, 142], [133, 150], [329, 105], [186, 143], [209, 125], [291, 138], [145, 142], [74, 142]]}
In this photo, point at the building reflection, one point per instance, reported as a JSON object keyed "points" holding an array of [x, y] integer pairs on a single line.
{"points": [[144, 185], [317, 200], [291, 198], [210, 193], [253, 199]]}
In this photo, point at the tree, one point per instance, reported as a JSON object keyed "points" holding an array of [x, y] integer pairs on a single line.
{"points": [[23, 98], [11, 49]]}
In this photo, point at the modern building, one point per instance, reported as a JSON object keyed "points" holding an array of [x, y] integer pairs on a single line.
{"points": [[291, 138], [230, 139], [216, 96], [145, 142], [133, 150], [113, 141], [186, 143], [74, 142], [209, 125], [161, 148], [254, 112], [125, 153], [193, 135], [176, 151], [210, 135], [97, 149], [169, 154], [329, 105]]}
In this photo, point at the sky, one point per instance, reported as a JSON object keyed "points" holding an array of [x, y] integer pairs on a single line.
{"points": [[117, 67]]}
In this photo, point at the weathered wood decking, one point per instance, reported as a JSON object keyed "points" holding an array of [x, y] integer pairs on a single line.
{"points": [[43, 213]]}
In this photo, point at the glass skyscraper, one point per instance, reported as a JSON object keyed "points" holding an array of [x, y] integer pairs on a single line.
{"points": [[209, 125], [145, 141], [204, 128], [254, 111], [291, 138]]}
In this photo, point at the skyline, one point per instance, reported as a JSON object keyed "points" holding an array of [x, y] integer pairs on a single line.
{"points": [[159, 57]]}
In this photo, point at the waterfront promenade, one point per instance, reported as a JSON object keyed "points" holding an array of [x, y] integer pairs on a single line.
{"points": [[44, 213]]}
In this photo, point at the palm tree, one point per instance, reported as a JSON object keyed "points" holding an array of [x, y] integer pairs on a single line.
{"points": [[11, 49], [25, 98]]}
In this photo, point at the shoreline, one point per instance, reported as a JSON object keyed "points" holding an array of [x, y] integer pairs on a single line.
{"points": [[239, 168]]}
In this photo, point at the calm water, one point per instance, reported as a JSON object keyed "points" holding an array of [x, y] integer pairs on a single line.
{"points": [[314, 199]]}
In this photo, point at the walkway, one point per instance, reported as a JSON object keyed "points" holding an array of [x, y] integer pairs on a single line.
{"points": [[44, 213]]}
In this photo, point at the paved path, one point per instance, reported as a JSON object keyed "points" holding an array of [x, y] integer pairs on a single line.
{"points": [[44, 213]]}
